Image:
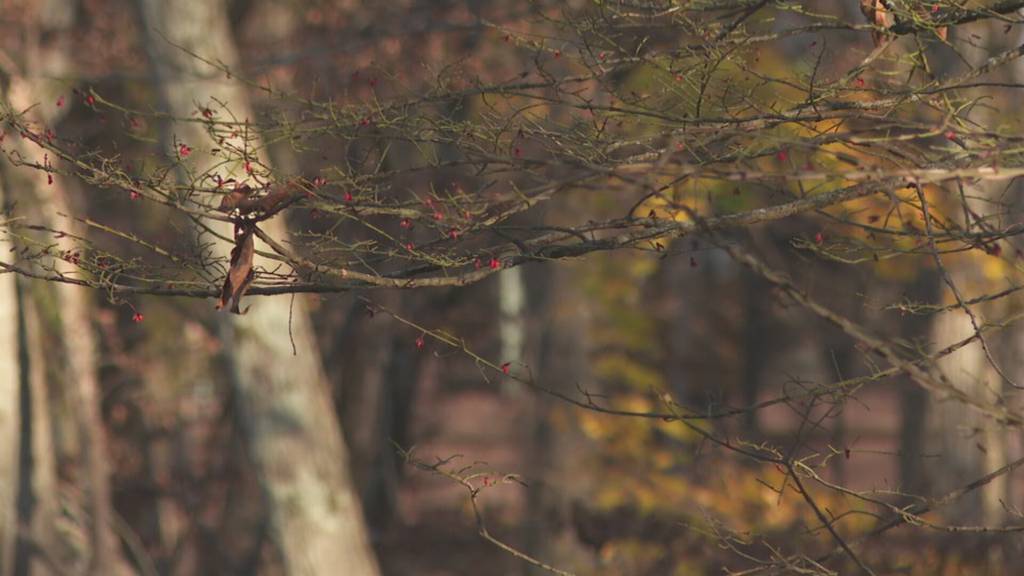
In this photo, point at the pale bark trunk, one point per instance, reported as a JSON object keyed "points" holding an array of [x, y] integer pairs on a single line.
{"points": [[10, 419], [81, 354], [512, 327], [971, 444], [288, 417], [45, 57], [41, 506]]}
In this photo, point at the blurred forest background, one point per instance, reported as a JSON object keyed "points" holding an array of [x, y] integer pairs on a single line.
{"points": [[535, 307]]}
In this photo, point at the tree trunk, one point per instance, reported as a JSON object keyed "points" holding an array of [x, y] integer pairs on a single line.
{"points": [[10, 419], [558, 449], [287, 414], [46, 56], [972, 444], [39, 489], [913, 398], [512, 326]]}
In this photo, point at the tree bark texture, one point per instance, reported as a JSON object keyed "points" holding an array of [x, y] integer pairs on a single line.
{"points": [[292, 431]]}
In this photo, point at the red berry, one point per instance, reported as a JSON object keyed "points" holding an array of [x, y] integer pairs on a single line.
{"points": [[420, 342], [137, 317], [506, 367], [819, 238], [184, 150], [495, 264]]}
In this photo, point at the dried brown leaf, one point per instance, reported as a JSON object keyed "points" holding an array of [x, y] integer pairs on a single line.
{"points": [[240, 274]]}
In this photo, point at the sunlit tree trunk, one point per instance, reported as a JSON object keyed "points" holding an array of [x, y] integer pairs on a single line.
{"points": [[287, 415], [512, 325], [39, 489], [10, 421], [971, 444], [45, 57]]}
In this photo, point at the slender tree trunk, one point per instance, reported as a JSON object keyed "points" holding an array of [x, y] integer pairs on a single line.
{"points": [[39, 489], [81, 367], [512, 325], [969, 443], [972, 444], [287, 414], [45, 56], [10, 418], [79, 344]]}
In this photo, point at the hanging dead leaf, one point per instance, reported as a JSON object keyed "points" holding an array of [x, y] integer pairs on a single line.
{"points": [[240, 274]]}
